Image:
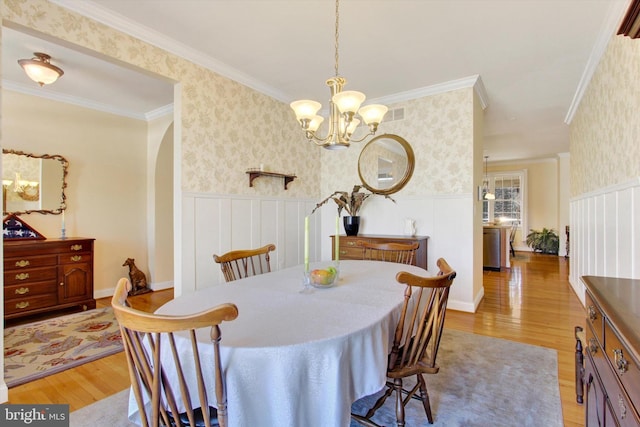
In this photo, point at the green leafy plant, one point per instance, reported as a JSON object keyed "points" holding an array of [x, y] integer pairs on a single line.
{"points": [[350, 202], [545, 241]]}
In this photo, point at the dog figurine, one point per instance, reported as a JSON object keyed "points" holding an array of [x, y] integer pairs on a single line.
{"points": [[137, 277]]}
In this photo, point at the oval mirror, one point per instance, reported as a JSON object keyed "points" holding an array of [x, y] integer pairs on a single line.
{"points": [[386, 164], [33, 183]]}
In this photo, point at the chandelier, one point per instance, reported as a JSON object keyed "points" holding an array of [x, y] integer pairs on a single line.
{"points": [[343, 107], [40, 70]]}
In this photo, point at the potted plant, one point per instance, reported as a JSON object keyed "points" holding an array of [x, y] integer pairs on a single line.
{"points": [[545, 241], [352, 203]]}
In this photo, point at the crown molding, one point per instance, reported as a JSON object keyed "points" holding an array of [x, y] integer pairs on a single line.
{"points": [[609, 28], [474, 81], [155, 38], [84, 103]]}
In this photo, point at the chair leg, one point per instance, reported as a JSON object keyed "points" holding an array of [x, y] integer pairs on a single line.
{"points": [[513, 252], [424, 394], [397, 386]]}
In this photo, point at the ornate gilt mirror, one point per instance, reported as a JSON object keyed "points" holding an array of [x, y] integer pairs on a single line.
{"points": [[33, 183], [386, 164]]}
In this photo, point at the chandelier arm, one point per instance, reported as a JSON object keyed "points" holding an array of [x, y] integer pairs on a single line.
{"points": [[363, 138]]}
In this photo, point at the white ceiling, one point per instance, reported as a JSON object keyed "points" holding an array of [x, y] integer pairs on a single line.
{"points": [[531, 55]]}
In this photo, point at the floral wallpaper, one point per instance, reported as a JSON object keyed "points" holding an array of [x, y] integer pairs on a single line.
{"points": [[604, 132], [226, 127], [440, 131]]}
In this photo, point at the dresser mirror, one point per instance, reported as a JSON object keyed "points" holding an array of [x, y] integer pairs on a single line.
{"points": [[386, 164], [33, 183]]}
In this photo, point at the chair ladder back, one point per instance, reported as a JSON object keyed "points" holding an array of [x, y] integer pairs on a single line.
{"points": [[145, 336], [245, 263], [401, 253]]}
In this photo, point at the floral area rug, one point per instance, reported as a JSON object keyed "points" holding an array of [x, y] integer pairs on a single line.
{"points": [[35, 350]]}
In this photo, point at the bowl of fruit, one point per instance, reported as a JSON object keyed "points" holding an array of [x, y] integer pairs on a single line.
{"points": [[324, 278]]}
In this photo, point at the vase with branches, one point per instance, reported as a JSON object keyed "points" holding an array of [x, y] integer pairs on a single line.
{"points": [[351, 202]]}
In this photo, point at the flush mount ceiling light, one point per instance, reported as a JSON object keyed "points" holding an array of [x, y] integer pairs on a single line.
{"points": [[40, 70], [342, 110]]}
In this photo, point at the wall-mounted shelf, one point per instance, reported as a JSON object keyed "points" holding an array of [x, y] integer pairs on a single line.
{"points": [[253, 174]]}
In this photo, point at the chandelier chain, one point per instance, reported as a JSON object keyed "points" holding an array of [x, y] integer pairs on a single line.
{"points": [[337, 44]]}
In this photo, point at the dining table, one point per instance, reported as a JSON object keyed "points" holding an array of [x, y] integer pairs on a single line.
{"points": [[299, 356]]}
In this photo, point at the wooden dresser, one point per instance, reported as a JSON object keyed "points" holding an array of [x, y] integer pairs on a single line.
{"points": [[47, 275], [349, 246], [611, 372]]}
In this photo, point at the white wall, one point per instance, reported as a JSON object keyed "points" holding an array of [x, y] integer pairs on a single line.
{"points": [[106, 192]]}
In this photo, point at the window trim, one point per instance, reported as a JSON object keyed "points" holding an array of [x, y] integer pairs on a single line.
{"points": [[522, 174]]}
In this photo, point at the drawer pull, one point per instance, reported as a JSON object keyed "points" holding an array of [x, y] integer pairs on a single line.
{"points": [[22, 304], [23, 263], [593, 314], [22, 291], [76, 258], [622, 406], [593, 346], [76, 247], [61, 283], [342, 252], [22, 276], [621, 363], [351, 243]]}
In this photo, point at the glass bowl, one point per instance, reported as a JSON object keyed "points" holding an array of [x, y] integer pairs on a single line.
{"points": [[323, 278]]}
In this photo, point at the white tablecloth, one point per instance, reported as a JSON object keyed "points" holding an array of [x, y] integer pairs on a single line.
{"points": [[300, 360]]}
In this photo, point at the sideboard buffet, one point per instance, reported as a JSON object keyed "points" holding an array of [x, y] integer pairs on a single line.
{"points": [[47, 275], [348, 246], [611, 372]]}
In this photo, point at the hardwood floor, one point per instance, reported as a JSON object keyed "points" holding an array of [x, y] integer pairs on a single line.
{"points": [[532, 303]]}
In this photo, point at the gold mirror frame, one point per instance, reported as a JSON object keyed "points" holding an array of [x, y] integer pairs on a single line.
{"points": [[63, 198], [363, 166]]}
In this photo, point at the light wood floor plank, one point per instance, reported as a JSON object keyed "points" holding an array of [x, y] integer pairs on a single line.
{"points": [[532, 303]]}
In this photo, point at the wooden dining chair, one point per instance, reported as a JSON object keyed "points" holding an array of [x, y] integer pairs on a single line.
{"points": [[402, 253], [144, 336], [244, 263], [416, 341]]}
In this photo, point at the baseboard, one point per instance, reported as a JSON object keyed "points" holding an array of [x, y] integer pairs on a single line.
{"points": [[106, 293]]}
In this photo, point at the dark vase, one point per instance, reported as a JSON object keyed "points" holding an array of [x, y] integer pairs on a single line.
{"points": [[351, 225]]}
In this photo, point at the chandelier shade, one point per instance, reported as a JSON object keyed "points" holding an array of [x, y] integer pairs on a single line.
{"points": [[40, 70], [488, 195], [344, 106]]}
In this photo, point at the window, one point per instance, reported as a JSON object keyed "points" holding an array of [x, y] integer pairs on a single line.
{"points": [[508, 206]]}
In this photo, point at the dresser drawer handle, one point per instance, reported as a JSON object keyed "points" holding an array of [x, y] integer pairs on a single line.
{"points": [[621, 363], [76, 258], [593, 346], [23, 263], [593, 314], [22, 304], [622, 406], [351, 243], [22, 291], [76, 247], [342, 252], [22, 276]]}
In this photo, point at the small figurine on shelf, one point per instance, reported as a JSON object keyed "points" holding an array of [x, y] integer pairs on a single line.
{"points": [[137, 277]]}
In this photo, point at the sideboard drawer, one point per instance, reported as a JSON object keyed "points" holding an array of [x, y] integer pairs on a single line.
{"points": [[594, 318], [26, 290], [29, 303], [349, 246], [25, 262], [625, 367], [31, 275], [72, 258]]}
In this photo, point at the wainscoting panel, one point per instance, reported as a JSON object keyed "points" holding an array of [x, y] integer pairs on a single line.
{"points": [[605, 234], [216, 224], [220, 223]]}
